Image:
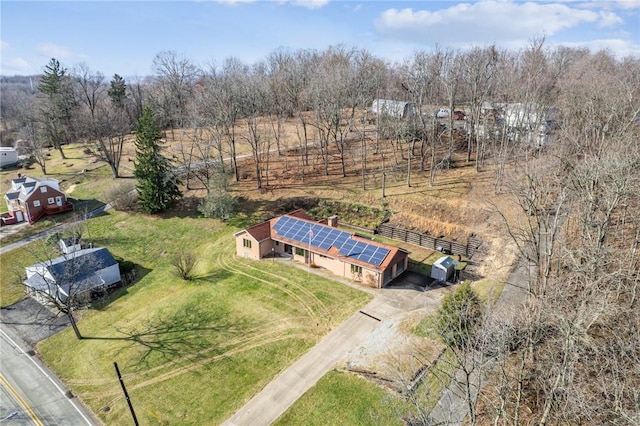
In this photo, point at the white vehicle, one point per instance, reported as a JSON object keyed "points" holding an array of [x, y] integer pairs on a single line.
{"points": [[443, 113]]}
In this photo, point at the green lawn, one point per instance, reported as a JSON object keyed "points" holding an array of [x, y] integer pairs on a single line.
{"points": [[12, 266], [345, 399], [192, 352]]}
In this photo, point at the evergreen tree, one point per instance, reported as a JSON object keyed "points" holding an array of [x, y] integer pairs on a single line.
{"points": [[157, 185], [118, 91], [59, 103], [459, 316], [51, 81], [218, 203]]}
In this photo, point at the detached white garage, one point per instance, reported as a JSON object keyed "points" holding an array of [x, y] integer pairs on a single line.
{"points": [[442, 269]]}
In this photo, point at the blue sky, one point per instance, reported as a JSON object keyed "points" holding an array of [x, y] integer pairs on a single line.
{"points": [[123, 36]]}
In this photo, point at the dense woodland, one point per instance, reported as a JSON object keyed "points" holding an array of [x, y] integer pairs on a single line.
{"points": [[571, 355]]}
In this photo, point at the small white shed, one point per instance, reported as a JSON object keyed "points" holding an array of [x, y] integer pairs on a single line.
{"points": [[442, 269]]}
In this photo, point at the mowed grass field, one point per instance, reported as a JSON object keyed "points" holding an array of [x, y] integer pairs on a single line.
{"points": [[195, 352], [191, 352]]}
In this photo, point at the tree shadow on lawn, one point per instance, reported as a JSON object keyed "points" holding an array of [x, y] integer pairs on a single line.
{"points": [[190, 333], [212, 277], [186, 207]]}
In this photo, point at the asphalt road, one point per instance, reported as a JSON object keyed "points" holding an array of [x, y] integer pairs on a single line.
{"points": [[452, 408], [31, 394]]}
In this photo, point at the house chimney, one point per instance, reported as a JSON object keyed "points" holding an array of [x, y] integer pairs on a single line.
{"points": [[333, 221]]}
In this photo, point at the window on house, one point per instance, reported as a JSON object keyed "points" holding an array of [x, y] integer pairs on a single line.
{"points": [[43, 189], [299, 251], [246, 243], [36, 203], [277, 243], [355, 269], [51, 200]]}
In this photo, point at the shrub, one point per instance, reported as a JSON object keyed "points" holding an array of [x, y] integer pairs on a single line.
{"points": [[184, 262], [218, 207], [53, 238], [459, 316], [123, 197]]}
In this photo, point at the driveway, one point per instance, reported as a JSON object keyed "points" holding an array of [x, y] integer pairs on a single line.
{"points": [[281, 393], [31, 322]]}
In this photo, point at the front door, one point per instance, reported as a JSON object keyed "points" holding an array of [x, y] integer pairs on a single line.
{"points": [[59, 201]]}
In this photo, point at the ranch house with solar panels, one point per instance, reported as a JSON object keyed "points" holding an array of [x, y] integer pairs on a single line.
{"points": [[321, 244]]}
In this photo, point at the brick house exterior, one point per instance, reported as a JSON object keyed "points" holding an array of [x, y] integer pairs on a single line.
{"points": [[264, 240], [30, 198]]}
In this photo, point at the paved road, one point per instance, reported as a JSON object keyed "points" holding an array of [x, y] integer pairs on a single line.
{"points": [[33, 392], [452, 407]]}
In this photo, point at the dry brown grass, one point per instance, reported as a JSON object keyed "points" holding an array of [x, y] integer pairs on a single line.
{"points": [[461, 203]]}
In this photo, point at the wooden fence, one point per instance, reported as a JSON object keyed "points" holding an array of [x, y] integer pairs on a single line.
{"points": [[427, 241]]}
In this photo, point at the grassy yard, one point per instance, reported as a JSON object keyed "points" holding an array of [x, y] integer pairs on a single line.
{"points": [[192, 352], [12, 266], [345, 399]]}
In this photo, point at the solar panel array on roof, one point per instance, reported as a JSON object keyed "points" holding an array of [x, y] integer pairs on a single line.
{"points": [[324, 237]]}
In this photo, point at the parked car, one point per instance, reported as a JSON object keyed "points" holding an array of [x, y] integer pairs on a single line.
{"points": [[442, 113], [459, 115]]}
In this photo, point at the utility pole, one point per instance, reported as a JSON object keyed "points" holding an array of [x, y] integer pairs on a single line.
{"points": [[126, 395]]}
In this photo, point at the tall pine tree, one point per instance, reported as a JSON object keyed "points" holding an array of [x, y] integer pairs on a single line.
{"points": [[57, 104], [118, 91], [157, 184]]}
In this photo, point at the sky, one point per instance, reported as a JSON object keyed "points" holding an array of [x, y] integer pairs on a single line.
{"points": [[123, 36]]}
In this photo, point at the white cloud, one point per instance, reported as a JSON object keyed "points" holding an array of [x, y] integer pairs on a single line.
{"points": [[628, 4], [234, 2], [310, 4], [620, 48], [15, 66], [609, 19], [486, 21], [52, 50], [4, 45]]}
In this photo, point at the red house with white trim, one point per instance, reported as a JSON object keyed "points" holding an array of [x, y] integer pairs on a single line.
{"points": [[30, 198]]}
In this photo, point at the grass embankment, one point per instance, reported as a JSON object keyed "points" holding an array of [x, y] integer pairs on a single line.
{"points": [[192, 352]]}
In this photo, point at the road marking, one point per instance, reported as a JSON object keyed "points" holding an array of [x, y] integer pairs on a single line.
{"points": [[47, 376], [32, 415]]}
